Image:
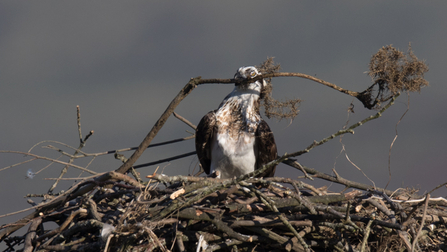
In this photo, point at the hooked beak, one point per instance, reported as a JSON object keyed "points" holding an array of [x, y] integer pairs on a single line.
{"points": [[239, 79]]}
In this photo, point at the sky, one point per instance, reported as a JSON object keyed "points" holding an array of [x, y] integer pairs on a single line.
{"points": [[123, 62]]}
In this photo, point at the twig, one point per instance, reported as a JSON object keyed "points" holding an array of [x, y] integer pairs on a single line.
{"points": [[51, 141], [336, 226], [366, 235], [93, 211], [275, 237], [228, 243], [268, 223], [28, 247], [190, 213], [181, 118], [84, 154], [135, 148], [179, 178], [165, 160], [81, 178], [305, 203], [24, 162], [394, 140], [270, 75], [382, 209], [78, 116], [106, 249], [339, 180], [312, 78], [437, 187], [339, 215], [353, 164], [394, 205], [427, 197], [179, 241], [81, 145], [291, 181], [50, 159], [271, 204], [343, 131], [297, 165], [63, 226]]}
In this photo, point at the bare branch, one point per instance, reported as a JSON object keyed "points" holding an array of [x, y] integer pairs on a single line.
{"points": [[343, 131], [427, 198], [24, 162], [159, 124], [81, 145], [181, 118], [165, 160], [50, 159]]}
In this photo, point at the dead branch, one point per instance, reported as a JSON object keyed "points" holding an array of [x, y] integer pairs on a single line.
{"points": [[181, 118], [165, 160], [31, 235], [81, 145], [50, 159], [161, 121], [415, 241]]}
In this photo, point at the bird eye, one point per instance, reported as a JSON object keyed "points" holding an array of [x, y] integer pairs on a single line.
{"points": [[252, 74]]}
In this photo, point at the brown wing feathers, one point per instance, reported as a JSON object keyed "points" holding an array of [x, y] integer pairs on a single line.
{"points": [[265, 148], [204, 135]]}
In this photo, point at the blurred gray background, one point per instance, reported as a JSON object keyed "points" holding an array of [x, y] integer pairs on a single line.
{"points": [[123, 62]]}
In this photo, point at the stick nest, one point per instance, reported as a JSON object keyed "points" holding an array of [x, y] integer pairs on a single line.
{"points": [[274, 214]]}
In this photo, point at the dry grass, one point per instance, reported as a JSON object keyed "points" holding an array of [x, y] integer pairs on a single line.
{"points": [[287, 109], [393, 71]]}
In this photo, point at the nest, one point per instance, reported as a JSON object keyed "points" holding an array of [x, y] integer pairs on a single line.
{"points": [[180, 213]]}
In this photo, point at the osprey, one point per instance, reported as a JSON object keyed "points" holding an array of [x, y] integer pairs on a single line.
{"points": [[234, 140]]}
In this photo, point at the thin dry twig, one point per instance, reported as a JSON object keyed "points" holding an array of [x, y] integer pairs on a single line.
{"points": [[181, 118], [427, 197], [50, 159], [81, 145], [395, 138]]}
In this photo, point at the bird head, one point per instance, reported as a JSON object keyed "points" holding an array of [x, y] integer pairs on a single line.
{"points": [[246, 73]]}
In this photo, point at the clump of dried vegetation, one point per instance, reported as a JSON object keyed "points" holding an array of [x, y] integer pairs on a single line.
{"points": [[393, 71], [116, 212], [287, 109]]}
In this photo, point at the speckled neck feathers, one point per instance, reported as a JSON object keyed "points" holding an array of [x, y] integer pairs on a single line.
{"points": [[239, 112]]}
